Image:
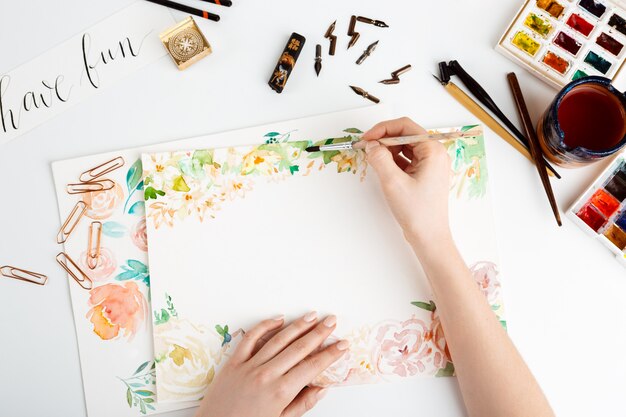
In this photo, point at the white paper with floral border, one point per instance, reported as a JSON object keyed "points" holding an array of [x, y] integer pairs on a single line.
{"points": [[245, 233], [123, 342]]}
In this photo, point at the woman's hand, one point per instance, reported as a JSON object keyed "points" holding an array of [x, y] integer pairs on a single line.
{"points": [[415, 180], [267, 375]]}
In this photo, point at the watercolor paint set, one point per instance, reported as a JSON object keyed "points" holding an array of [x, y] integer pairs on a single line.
{"points": [[563, 40], [601, 211]]}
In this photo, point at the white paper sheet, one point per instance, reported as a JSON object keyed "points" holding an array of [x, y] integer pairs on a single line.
{"points": [[80, 67], [244, 233]]}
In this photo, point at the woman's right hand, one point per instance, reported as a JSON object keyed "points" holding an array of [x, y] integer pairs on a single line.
{"points": [[415, 179]]}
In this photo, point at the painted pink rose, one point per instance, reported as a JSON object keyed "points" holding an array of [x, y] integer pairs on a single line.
{"points": [[486, 276], [117, 309], [139, 235], [102, 204], [402, 348], [104, 268]]}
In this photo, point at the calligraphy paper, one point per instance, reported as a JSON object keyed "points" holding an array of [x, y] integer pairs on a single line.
{"points": [[80, 67]]}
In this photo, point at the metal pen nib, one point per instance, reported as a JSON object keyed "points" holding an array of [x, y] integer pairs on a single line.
{"points": [[364, 94], [395, 76], [332, 38], [354, 35], [318, 59], [374, 22], [367, 53]]}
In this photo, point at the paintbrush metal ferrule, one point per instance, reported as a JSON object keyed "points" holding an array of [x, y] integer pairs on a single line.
{"points": [[341, 146]]}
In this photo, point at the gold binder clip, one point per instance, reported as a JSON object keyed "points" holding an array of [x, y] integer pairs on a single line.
{"points": [[100, 170], [23, 275], [74, 270], [72, 220], [93, 251], [89, 187]]}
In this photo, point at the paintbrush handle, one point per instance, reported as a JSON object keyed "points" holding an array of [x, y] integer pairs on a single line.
{"points": [[535, 148], [467, 102], [407, 140]]}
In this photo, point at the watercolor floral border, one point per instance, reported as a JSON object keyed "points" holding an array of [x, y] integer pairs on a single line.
{"points": [[188, 355]]}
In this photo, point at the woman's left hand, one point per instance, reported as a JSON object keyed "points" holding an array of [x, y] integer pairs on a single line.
{"points": [[269, 379]]}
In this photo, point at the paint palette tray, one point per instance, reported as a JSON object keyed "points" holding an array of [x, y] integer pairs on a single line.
{"points": [[562, 40], [601, 211]]}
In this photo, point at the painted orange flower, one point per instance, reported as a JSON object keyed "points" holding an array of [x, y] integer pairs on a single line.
{"points": [[102, 204], [117, 308]]}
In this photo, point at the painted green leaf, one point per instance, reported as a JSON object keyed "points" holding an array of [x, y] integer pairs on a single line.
{"points": [[327, 157], [137, 266], [148, 400], [447, 371], [133, 176], [114, 229], [271, 134], [226, 329], [180, 185], [135, 385], [153, 365], [138, 209], [495, 307], [293, 169], [466, 128], [352, 130], [219, 329], [503, 323], [150, 407], [141, 367], [142, 407], [201, 158], [160, 192], [126, 275], [129, 398], [144, 393], [425, 306]]}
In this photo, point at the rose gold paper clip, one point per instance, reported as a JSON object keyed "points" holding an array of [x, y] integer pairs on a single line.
{"points": [[72, 220], [23, 275], [89, 187], [93, 251], [100, 170], [74, 270]]}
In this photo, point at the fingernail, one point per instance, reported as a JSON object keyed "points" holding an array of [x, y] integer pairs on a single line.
{"points": [[330, 321], [321, 393], [371, 145], [309, 317], [343, 345], [279, 318]]}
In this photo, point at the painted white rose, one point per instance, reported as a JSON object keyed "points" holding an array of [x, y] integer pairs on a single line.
{"points": [[187, 356]]}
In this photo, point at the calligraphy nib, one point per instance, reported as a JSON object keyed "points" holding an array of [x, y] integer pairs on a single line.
{"points": [[365, 94], [381, 24], [318, 59]]}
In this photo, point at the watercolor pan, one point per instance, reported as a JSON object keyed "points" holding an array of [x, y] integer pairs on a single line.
{"points": [[610, 44], [563, 40], [556, 62], [597, 62], [618, 22], [601, 210], [566, 42], [538, 24], [579, 24]]}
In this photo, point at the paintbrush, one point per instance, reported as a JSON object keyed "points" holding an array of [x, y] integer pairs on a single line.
{"points": [[396, 141], [533, 140], [480, 113]]}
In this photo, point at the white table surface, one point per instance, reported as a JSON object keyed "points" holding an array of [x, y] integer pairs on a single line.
{"points": [[564, 292]]}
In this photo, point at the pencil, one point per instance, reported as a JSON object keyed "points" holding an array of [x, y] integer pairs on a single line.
{"points": [[226, 3], [187, 9], [533, 141], [473, 107]]}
